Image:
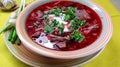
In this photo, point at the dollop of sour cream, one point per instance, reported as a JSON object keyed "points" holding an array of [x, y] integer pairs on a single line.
{"points": [[44, 41]]}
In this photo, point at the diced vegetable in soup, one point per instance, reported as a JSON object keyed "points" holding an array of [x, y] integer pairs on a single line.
{"points": [[63, 25]]}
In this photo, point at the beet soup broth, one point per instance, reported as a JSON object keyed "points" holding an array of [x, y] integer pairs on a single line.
{"points": [[63, 25]]}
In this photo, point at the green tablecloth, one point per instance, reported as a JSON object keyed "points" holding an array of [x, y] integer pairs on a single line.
{"points": [[110, 57]]}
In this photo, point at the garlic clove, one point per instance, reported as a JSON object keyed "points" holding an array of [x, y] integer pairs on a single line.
{"points": [[8, 5]]}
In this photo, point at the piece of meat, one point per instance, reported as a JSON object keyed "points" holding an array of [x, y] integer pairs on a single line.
{"points": [[82, 14], [36, 34], [61, 44], [90, 28], [58, 38], [37, 15]]}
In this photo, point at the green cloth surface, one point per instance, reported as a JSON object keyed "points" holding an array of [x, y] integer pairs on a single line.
{"points": [[110, 57]]}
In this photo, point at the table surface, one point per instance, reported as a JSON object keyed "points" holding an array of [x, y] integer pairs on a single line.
{"points": [[110, 57]]}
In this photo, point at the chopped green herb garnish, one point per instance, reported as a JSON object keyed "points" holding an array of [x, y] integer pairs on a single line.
{"points": [[76, 23], [54, 22], [61, 28], [77, 36], [55, 11], [71, 10], [70, 13], [48, 29], [67, 17], [83, 22]]}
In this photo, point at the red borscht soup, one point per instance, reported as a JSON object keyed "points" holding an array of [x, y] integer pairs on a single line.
{"points": [[63, 25]]}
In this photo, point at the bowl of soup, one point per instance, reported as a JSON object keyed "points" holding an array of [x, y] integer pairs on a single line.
{"points": [[64, 30]]}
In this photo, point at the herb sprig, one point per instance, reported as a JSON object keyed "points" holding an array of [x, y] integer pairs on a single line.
{"points": [[77, 36], [70, 13], [55, 11], [76, 23]]}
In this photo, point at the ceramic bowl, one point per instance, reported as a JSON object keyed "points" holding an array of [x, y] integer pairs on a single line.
{"points": [[59, 57]]}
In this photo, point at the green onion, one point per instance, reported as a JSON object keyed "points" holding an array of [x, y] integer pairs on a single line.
{"points": [[11, 24], [11, 33], [22, 6], [18, 42], [6, 27], [14, 36]]}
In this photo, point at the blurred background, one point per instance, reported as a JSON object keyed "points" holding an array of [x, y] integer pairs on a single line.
{"points": [[110, 57]]}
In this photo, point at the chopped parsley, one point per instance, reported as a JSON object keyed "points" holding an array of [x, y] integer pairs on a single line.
{"points": [[69, 16], [48, 29], [77, 36], [76, 23], [71, 10], [54, 22], [70, 13], [61, 28], [55, 11], [83, 22]]}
